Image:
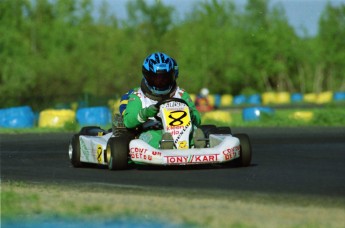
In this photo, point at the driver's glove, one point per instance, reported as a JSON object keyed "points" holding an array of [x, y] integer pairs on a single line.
{"points": [[146, 113]]}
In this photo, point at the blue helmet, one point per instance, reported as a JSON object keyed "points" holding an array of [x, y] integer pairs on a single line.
{"points": [[175, 68], [159, 73]]}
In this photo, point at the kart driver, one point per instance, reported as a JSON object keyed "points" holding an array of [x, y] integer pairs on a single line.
{"points": [[160, 72], [125, 97]]}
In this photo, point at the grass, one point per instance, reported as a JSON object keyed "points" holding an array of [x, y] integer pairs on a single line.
{"points": [[182, 208]]}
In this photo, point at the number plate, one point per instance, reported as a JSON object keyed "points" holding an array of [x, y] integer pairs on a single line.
{"points": [[176, 120]]}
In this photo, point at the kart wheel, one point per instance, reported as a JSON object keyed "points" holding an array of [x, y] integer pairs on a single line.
{"points": [[207, 128], [245, 151], [220, 130], [92, 130], [117, 152], [74, 151]]}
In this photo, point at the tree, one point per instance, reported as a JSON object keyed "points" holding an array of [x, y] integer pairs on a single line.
{"points": [[206, 46], [332, 42], [151, 21], [16, 74], [58, 51]]}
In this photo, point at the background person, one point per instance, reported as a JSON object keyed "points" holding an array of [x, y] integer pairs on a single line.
{"points": [[202, 102]]}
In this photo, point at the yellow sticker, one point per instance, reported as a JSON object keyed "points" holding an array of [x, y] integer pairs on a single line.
{"points": [[99, 153], [100, 133], [182, 145]]}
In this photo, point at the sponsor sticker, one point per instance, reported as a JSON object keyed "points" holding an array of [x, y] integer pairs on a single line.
{"points": [[182, 145], [141, 156], [84, 149], [139, 153], [191, 159], [156, 153], [230, 153], [99, 153]]}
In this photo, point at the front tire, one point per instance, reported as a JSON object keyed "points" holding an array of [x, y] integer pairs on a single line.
{"points": [[245, 150], [74, 151], [220, 130], [117, 153], [207, 128]]}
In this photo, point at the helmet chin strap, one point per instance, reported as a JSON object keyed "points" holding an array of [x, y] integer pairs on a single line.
{"points": [[157, 97]]}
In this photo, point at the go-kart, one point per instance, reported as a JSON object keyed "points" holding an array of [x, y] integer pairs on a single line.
{"points": [[119, 146]]}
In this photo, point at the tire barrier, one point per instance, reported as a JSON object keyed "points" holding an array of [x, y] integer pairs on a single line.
{"points": [[283, 98], [279, 98], [296, 97], [268, 98], [310, 98], [211, 100], [324, 97], [214, 100], [218, 115], [239, 100], [254, 99], [217, 100], [94, 116], [17, 117], [254, 113], [56, 118], [24, 117], [318, 98], [339, 96], [226, 100], [276, 98], [302, 115]]}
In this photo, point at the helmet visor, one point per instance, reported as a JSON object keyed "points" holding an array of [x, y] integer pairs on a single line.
{"points": [[161, 80]]}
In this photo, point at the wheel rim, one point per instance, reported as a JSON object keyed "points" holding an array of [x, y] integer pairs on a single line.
{"points": [[70, 151], [108, 153]]}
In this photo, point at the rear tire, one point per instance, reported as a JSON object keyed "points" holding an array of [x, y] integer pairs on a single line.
{"points": [[207, 128], [220, 130], [92, 131], [74, 151], [117, 152], [245, 150]]}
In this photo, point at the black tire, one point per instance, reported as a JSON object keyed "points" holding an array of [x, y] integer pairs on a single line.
{"points": [[245, 151], [75, 151], [207, 128], [92, 130], [117, 152], [220, 130]]}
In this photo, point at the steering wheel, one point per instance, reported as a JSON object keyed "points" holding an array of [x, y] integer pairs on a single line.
{"points": [[170, 100], [162, 102]]}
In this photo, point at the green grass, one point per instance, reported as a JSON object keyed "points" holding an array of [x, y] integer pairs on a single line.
{"points": [[198, 208]]}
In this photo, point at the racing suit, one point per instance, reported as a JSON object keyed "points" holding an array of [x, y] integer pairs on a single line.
{"points": [[139, 100]]}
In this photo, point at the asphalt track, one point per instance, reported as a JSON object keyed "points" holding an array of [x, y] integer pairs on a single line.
{"points": [[285, 160]]}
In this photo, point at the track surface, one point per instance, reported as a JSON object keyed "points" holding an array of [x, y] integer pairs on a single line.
{"points": [[285, 160]]}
